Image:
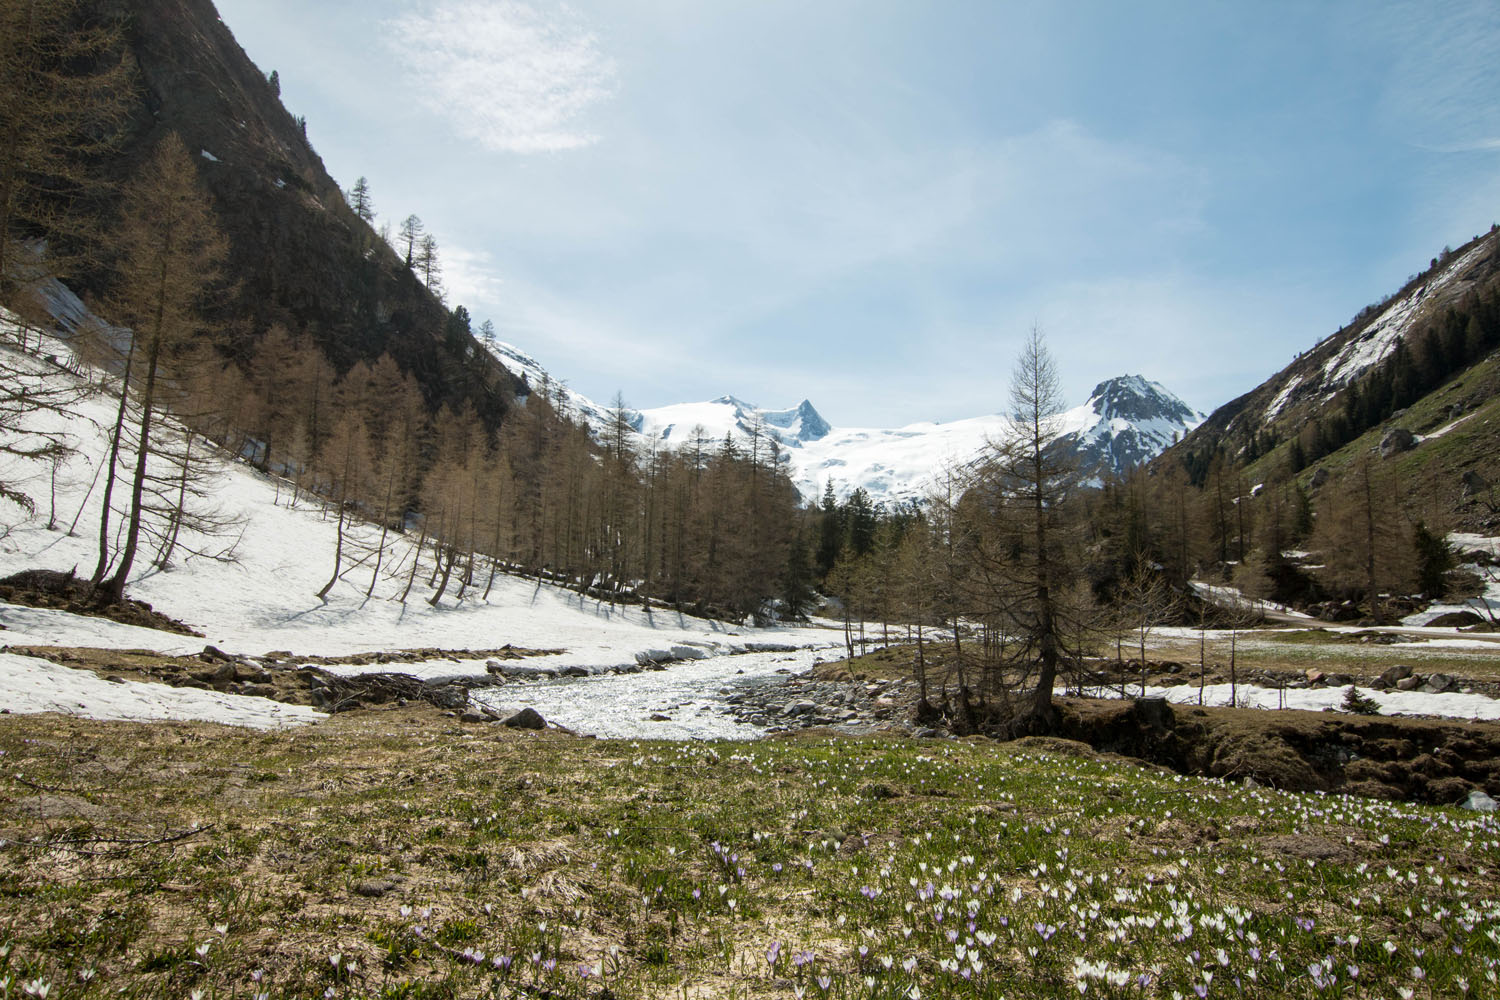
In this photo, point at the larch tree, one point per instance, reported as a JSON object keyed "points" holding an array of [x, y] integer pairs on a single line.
{"points": [[410, 237], [63, 95], [170, 251], [360, 200], [1363, 536], [427, 265], [1032, 483]]}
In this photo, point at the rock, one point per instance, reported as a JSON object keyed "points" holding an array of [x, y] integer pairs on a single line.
{"points": [[250, 673], [1479, 801], [449, 696], [1474, 484], [526, 718], [471, 715], [1319, 477], [494, 667], [1438, 683], [1154, 713], [800, 708], [374, 888], [1396, 441], [1409, 683], [1456, 619], [215, 653], [1392, 675], [1314, 675], [658, 717], [575, 671]]}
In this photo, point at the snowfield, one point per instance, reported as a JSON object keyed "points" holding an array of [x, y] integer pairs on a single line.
{"points": [[252, 591], [28, 684]]}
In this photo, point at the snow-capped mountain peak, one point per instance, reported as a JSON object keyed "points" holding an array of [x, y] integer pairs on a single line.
{"points": [[1126, 421]]}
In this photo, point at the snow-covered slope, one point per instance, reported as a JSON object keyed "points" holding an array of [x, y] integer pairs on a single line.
{"points": [[251, 589], [1302, 392], [1126, 421]]}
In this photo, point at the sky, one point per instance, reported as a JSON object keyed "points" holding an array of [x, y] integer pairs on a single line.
{"points": [[871, 204]]}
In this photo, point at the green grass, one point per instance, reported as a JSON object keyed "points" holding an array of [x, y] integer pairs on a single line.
{"points": [[537, 866]]}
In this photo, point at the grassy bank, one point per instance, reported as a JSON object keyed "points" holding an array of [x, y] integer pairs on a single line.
{"points": [[394, 853]]}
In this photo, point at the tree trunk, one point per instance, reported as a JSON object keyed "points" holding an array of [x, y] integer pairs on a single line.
{"points": [[114, 587]]}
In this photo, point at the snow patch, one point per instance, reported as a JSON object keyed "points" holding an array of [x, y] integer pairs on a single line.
{"points": [[29, 685]]}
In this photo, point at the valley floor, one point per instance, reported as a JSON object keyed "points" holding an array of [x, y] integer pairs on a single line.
{"points": [[395, 853]]}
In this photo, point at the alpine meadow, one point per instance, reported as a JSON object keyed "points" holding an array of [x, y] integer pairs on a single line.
{"points": [[349, 648]]}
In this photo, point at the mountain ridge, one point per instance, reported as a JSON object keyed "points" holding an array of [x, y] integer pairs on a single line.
{"points": [[1126, 421]]}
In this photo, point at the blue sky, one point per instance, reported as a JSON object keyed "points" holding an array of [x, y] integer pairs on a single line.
{"points": [[870, 204]]}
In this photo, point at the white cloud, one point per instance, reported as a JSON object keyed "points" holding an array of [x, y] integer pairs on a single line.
{"points": [[507, 75], [470, 277]]}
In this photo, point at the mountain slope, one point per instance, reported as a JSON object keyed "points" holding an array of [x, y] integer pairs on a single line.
{"points": [[1305, 390], [1414, 378], [299, 255]]}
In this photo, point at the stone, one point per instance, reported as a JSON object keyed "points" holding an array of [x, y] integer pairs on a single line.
{"points": [[1409, 683], [526, 718], [1438, 683], [1392, 675], [1456, 619], [1396, 441], [1319, 477], [1479, 801], [449, 696], [374, 888], [471, 715], [658, 717], [1314, 675]]}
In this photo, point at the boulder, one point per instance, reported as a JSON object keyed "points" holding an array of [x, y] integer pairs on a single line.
{"points": [[1392, 675], [1479, 801], [1396, 441], [1438, 683], [1456, 619], [526, 718], [447, 695], [1409, 683]]}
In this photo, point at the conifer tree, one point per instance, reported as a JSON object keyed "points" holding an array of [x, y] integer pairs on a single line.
{"points": [[63, 96], [170, 253], [360, 201]]}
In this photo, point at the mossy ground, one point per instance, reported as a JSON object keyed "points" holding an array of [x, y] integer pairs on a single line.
{"points": [[395, 853]]}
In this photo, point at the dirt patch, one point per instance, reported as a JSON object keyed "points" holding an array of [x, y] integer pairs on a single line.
{"points": [[1418, 760], [282, 677], [1305, 847], [45, 588]]}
